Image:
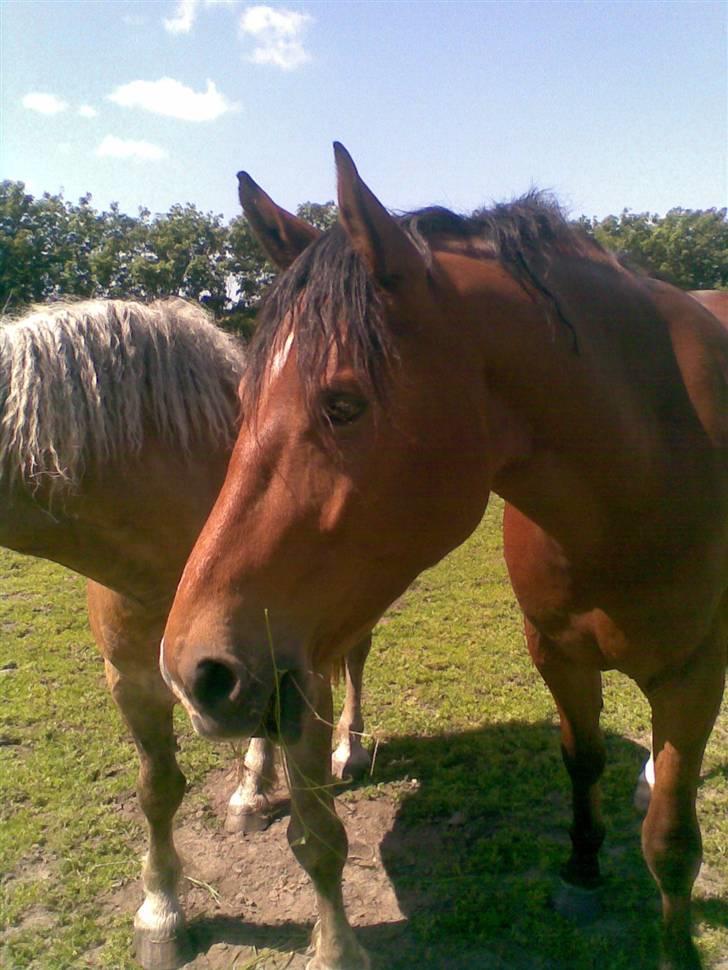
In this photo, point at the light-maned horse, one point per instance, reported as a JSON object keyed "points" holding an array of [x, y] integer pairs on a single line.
{"points": [[403, 368], [116, 425]]}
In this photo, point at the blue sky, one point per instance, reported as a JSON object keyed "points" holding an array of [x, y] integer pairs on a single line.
{"points": [[608, 104]]}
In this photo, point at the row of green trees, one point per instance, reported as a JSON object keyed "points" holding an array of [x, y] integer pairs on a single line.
{"points": [[50, 247], [687, 247]]}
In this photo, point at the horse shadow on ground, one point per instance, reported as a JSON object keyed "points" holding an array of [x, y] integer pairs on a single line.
{"points": [[479, 832]]}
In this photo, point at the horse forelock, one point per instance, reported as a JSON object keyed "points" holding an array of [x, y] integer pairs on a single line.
{"points": [[330, 302], [81, 382], [324, 305]]}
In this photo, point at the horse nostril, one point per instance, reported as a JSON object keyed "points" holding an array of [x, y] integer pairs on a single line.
{"points": [[214, 682]]}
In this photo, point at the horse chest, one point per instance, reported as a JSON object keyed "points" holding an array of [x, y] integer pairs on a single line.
{"points": [[640, 617]]}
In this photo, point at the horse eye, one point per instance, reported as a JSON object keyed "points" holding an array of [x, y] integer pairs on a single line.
{"points": [[342, 408]]}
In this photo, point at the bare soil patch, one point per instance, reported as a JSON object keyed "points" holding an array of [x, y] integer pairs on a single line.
{"points": [[250, 905], [454, 871]]}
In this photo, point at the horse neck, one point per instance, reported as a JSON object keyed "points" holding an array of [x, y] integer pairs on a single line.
{"points": [[573, 411], [129, 525]]}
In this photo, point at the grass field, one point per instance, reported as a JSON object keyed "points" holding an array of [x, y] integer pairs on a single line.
{"points": [[451, 696]]}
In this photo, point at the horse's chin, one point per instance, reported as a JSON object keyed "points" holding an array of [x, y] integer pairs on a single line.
{"points": [[281, 722], [283, 718], [212, 730]]}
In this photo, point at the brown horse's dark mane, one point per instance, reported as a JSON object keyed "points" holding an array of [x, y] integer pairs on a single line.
{"points": [[331, 302]]}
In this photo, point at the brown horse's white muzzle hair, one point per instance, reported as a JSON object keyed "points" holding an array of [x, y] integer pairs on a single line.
{"points": [[226, 698]]}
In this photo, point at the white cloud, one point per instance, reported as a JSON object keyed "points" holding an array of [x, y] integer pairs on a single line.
{"points": [[184, 17], [185, 14], [173, 99], [86, 111], [140, 151], [45, 104], [278, 33]]}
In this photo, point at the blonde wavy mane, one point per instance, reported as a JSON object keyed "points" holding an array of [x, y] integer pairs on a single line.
{"points": [[79, 382]]}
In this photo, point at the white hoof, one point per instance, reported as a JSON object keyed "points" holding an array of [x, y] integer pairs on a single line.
{"points": [[246, 822], [248, 809], [160, 936], [350, 761]]}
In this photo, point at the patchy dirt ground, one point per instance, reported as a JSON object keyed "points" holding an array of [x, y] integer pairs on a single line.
{"points": [[251, 907]]}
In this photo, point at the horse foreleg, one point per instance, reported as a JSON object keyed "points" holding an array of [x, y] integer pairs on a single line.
{"points": [[160, 939], [351, 759], [578, 695], [318, 840], [683, 713], [249, 807]]}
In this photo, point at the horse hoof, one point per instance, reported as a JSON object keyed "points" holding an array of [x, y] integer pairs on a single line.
{"points": [[246, 823], [642, 795], [685, 957], [162, 954], [350, 765], [581, 906], [357, 961]]}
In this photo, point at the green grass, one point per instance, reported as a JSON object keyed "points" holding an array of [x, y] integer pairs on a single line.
{"points": [[451, 696]]}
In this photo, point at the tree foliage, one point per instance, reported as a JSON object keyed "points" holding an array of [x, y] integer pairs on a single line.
{"points": [[52, 248], [322, 215], [688, 247]]}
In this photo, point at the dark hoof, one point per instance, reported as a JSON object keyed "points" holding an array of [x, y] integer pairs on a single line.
{"points": [[168, 954], [246, 823], [581, 906], [685, 957]]}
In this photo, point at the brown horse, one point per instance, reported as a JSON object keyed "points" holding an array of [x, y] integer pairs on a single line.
{"points": [[403, 369], [714, 300], [116, 425]]}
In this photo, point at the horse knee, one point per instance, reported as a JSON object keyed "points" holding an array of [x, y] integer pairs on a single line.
{"points": [[160, 790]]}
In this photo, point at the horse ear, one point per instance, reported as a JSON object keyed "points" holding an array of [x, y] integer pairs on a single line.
{"points": [[282, 235], [388, 252]]}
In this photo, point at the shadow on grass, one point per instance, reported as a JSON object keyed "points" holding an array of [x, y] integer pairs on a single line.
{"points": [[474, 855]]}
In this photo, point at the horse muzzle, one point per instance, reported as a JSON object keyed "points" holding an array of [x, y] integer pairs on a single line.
{"points": [[224, 700]]}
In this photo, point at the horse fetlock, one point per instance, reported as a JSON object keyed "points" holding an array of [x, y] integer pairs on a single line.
{"points": [[161, 873], [160, 915], [678, 952]]}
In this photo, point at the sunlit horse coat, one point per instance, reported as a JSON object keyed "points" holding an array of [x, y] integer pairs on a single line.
{"points": [[403, 369]]}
